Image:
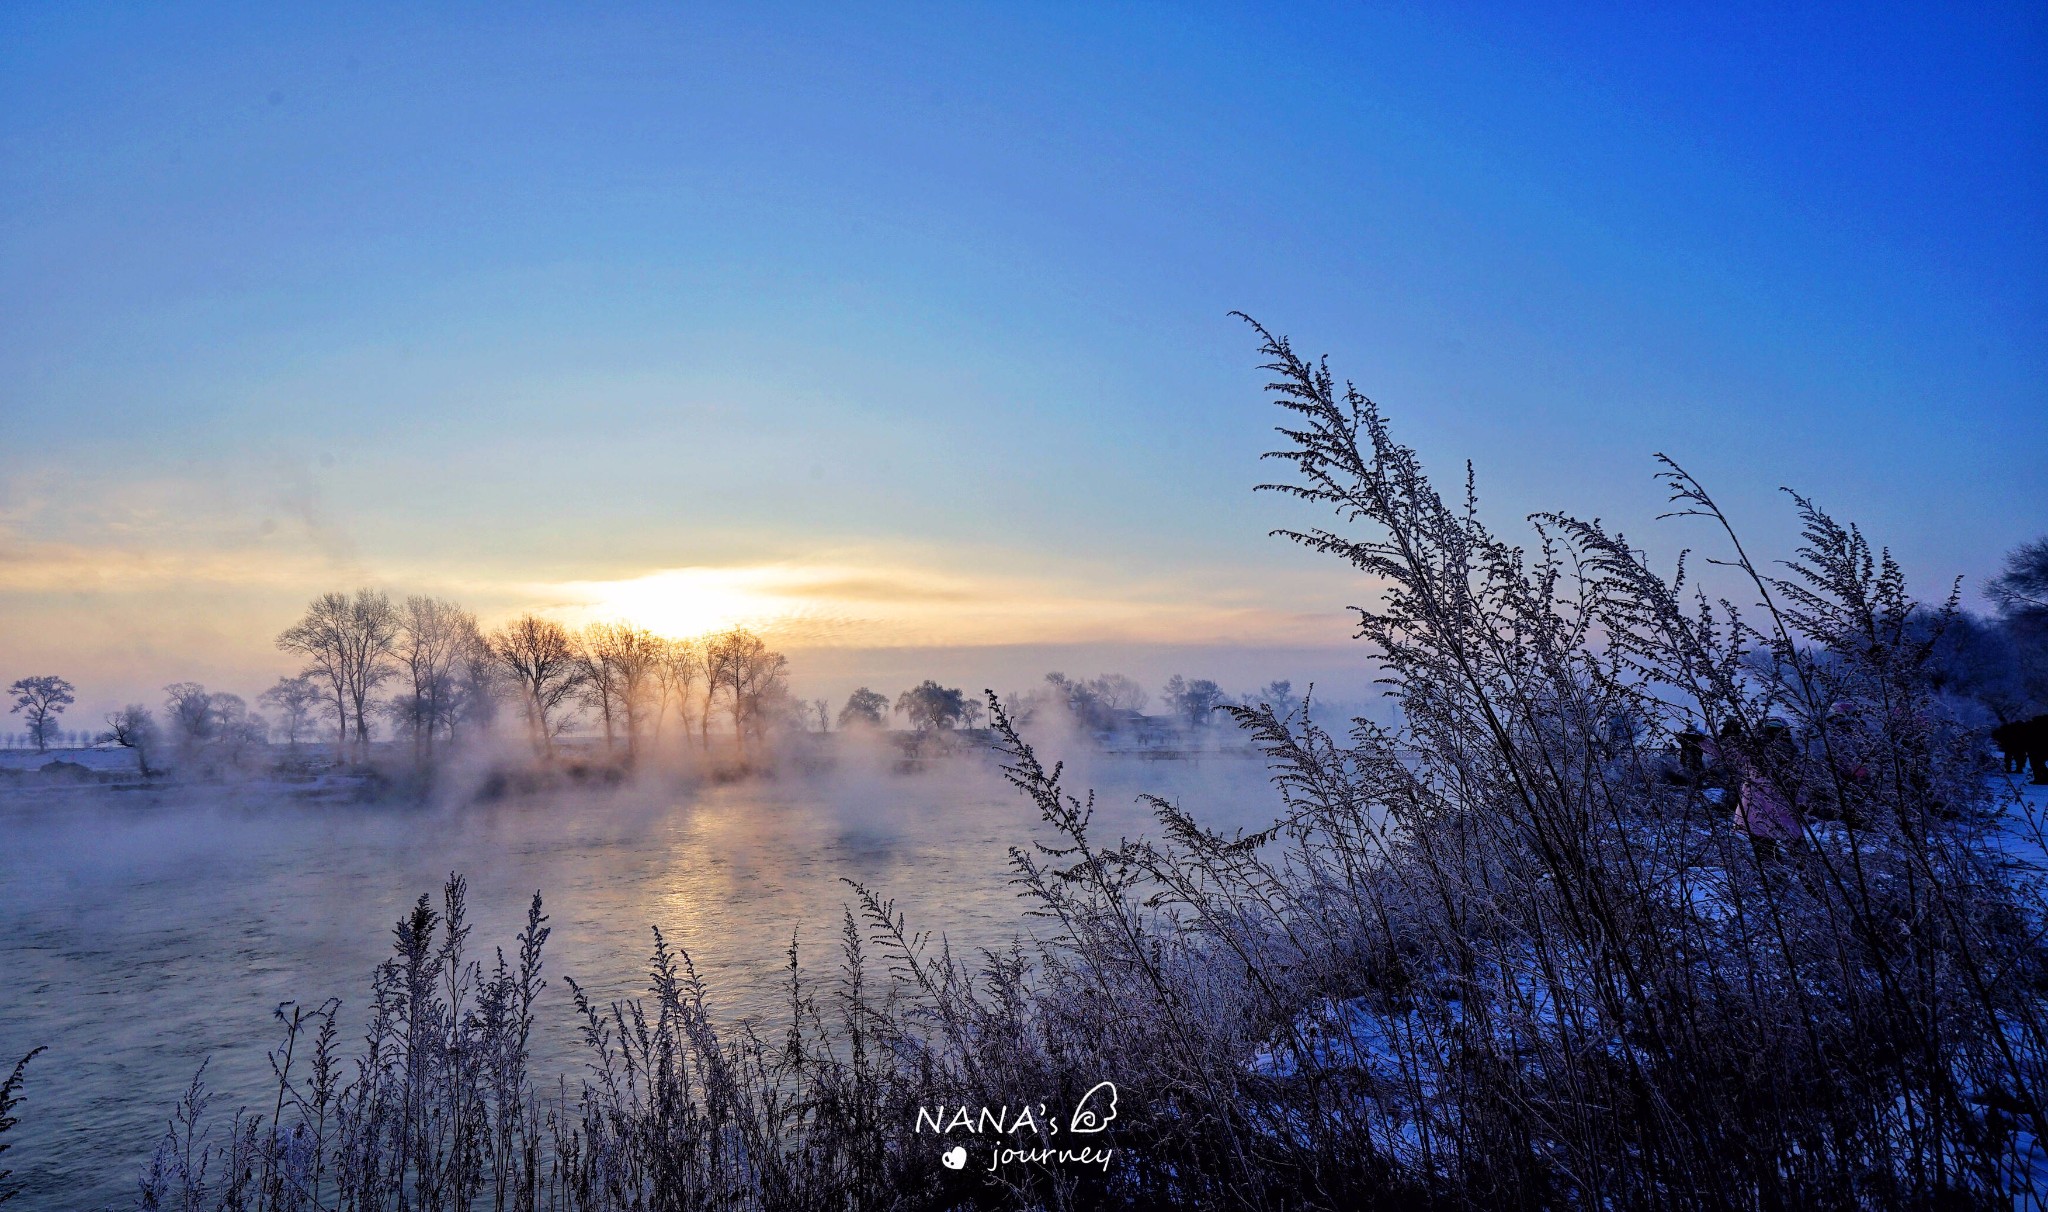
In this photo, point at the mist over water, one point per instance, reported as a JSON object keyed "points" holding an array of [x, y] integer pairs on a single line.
{"points": [[142, 935]]}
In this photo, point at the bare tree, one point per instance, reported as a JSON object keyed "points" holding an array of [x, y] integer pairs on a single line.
{"points": [[348, 642], [188, 707], [599, 688], [2022, 586], [132, 727], [321, 637], [294, 700], [373, 633], [432, 640], [540, 658], [1194, 700], [212, 728], [622, 669], [742, 665], [41, 700], [680, 668], [1277, 694], [480, 683], [238, 733], [1119, 692]]}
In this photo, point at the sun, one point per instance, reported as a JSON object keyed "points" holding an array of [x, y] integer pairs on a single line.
{"points": [[682, 602]]}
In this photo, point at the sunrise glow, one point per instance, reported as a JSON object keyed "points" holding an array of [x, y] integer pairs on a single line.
{"points": [[681, 602]]}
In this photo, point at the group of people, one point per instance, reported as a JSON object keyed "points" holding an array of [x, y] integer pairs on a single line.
{"points": [[1773, 782], [2024, 745], [1774, 779]]}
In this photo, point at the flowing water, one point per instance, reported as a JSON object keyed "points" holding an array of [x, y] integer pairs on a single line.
{"points": [[143, 935]]}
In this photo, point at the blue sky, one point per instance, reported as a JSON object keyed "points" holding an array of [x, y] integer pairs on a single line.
{"points": [[494, 301]]}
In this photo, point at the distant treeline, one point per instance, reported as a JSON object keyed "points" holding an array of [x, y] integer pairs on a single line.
{"points": [[427, 673]]}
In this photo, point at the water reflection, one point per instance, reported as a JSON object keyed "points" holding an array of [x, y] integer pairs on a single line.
{"points": [[138, 939]]}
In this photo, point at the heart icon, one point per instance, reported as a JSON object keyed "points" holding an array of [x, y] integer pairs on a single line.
{"points": [[955, 1157]]}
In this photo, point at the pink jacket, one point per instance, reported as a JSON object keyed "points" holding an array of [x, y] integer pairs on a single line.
{"points": [[1760, 808]]}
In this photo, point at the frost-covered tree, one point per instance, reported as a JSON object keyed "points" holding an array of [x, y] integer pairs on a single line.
{"points": [[2021, 591], [1119, 692], [294, 700], [40, 700], [239, 734], [212, 728], [1100, 703], [1995, 669], [188, 707], [133, 727]]}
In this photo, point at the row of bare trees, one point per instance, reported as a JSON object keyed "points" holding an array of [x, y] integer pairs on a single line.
{"points": [[355, 644], [452, 676], [634, 682]]}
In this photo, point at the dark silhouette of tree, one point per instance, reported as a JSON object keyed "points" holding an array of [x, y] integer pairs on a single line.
{"points": [[2022, 587], [539, 657], [40, 700], [752, 677], [599, 685], [348, 643], [677, 674], [433, 641], [133, 727], [1193, 700], [1277, 694], [622, 668], [930, 707], [864, 709]]}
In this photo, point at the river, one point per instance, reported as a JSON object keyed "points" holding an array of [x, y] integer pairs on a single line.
{"points": [[144, 933]]}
